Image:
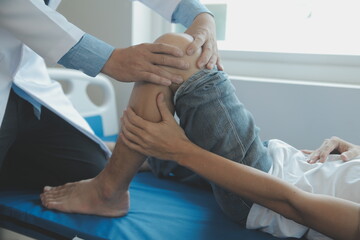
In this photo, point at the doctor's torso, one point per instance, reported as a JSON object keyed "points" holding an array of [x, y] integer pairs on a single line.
{"points": [[30, 32], [28, 25]]}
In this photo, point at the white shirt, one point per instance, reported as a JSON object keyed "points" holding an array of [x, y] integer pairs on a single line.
{"points": [[333, 178]]}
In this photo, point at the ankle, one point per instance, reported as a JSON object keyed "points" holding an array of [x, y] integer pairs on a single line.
{"points": [[107, 187]]}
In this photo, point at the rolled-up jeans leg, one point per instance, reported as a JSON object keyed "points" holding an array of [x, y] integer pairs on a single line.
{"points": [[214, 119]]}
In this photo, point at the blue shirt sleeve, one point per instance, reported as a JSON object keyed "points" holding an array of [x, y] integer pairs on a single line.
{"points": [[187, 10], [89, 55]]}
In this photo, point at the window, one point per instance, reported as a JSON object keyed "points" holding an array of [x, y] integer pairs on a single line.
{"points": [[291, 26], [296, 40]]}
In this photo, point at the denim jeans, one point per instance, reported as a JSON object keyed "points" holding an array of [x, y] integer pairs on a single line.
{"points": [[213, 118]]}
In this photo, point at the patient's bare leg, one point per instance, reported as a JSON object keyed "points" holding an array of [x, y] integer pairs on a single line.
{"points": [[107, 194]]}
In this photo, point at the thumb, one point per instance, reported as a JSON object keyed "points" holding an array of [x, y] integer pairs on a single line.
{"points": [[348, 155], [163, 108]]}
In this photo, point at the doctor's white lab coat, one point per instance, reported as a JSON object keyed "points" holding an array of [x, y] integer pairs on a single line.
{"points": [[30, 32]]}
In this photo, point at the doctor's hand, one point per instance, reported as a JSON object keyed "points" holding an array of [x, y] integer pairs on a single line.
{"points": [[141, 63], [204, 32], [164, 140], [347, 150]]}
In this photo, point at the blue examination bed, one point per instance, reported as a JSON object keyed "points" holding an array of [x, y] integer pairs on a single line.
{"points": [[160, 209]]}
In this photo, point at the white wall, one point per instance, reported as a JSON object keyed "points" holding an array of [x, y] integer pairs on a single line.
{"points": [[300, 113]]}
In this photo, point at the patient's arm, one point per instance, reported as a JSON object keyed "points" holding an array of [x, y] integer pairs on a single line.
{"points": [[337, 218]]}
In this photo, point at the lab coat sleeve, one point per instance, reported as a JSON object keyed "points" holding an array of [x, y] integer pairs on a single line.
{"points": [[38, 26], [89, 55]]}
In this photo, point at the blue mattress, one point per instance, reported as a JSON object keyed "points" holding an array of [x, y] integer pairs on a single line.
{"points": [[160, 209]]}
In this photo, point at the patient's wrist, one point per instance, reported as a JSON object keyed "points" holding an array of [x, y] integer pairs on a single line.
{"points": [[186, 153]]}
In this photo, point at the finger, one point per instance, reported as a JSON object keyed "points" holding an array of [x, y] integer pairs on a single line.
{"points": [[135, 120], [131, 132], [211, 64], [158, 74], [313, 158], [163, 108], [198, 42], [156, 79], [348, 155], [219, 64], [323, 156], [322, 152], [345, 156], [206, 54], [140, 123], [166, 49], [325, 150], [164, 60]]}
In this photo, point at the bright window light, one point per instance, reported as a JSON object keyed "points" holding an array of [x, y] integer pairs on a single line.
{"points": [[290, 26]]}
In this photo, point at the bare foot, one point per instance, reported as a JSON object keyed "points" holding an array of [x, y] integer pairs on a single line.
{"points": [[86, 197]]}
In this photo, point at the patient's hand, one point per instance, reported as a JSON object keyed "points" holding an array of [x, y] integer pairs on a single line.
{"points": [[164, 140], [347, 150]]}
